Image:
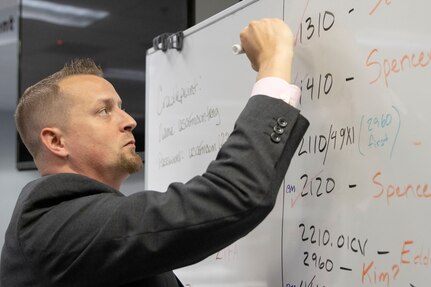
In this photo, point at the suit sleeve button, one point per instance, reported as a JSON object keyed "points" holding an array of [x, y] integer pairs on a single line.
{"points": [[278, 130], [282, 122], [275, 138]]}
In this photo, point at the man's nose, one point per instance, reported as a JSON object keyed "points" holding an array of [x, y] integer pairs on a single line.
{"points": [[129, 123]]}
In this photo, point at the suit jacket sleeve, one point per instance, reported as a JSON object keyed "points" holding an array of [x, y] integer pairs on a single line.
{"points": [[104, 238]]}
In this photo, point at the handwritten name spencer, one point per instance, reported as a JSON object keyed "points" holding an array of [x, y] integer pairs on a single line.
{"points": [[177, 98]]}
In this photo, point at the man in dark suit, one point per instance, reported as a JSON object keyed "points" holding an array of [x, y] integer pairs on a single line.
{"points": [[72, 227]]}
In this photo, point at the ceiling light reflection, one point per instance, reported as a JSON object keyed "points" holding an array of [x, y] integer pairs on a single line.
{"points": [[60, 14]]}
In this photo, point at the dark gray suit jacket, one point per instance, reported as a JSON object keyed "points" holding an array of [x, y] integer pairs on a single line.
{"points": [[70, 230]]}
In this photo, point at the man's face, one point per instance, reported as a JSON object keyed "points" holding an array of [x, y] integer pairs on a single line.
{"points": [[98, 134]]}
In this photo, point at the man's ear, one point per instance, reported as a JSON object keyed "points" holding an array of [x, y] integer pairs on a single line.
{"points": [[52, 139]]}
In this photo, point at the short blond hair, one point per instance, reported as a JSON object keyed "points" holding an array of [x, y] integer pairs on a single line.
{"points": [[43, 105]]}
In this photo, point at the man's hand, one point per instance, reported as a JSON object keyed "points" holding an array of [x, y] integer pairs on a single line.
{"points": [[268, 44]]}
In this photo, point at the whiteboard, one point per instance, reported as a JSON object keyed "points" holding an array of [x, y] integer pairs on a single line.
{"points": [[354, 206]]}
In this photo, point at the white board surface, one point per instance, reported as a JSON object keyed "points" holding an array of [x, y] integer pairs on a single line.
{"points": [[354, 207]]}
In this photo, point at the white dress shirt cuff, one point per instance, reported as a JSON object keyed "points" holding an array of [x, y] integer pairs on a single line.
{"points": [[278, 88]]}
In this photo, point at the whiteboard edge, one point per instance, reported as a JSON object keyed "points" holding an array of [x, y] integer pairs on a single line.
{"points": [[147, 126], [217, 17]]}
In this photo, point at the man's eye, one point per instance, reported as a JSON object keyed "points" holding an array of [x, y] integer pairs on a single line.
{"points": [[103, 111]]}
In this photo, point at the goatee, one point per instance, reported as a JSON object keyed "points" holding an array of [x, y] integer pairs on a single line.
{"points": [[131, 162]]}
